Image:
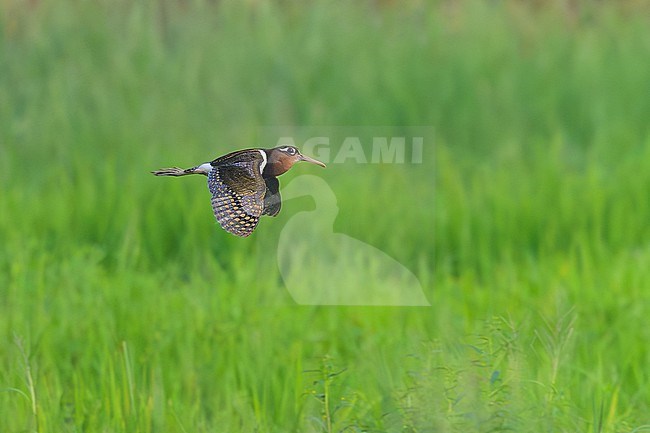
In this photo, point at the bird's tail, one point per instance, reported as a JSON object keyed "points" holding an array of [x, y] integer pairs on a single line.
{"points": [[174, 171]]}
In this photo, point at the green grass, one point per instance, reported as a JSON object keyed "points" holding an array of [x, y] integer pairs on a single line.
{"points": [[124, 308]]}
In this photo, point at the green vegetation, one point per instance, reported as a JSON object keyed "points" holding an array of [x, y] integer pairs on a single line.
{"points": [[124, 308]]}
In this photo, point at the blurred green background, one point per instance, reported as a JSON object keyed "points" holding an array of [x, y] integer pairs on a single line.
{"points": [[123, 307]]}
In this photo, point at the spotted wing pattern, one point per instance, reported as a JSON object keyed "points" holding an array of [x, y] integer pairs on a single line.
{"points": [[238, 191]]}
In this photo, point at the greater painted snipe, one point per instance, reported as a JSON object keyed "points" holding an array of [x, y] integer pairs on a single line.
{"points": [[244, 184]]}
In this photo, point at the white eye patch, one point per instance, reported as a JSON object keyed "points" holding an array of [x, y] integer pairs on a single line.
{"points": [[288, 149]]}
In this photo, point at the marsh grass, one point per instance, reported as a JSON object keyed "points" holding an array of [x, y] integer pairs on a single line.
{"points": [[527, 222]]}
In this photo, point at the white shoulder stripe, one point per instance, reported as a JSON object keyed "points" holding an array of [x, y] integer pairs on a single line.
{"points": [[264, 160], [204, 168]]}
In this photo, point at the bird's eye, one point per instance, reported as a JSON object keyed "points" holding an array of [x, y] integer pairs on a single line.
{"points": [[290, 150]]}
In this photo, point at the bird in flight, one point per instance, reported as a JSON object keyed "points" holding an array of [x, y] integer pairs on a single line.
{"points": [[244, 184]]}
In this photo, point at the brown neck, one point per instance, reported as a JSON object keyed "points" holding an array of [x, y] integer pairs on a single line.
{"points": [[277, 165]]}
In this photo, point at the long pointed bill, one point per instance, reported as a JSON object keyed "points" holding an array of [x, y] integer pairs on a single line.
{"points": [[312, 160]]}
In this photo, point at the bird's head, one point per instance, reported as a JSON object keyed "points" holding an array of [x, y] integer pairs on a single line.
{"points": [[282, 158]]}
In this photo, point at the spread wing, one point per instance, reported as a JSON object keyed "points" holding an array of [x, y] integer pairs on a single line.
{"points": [[238, 191], [272, 200]]}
